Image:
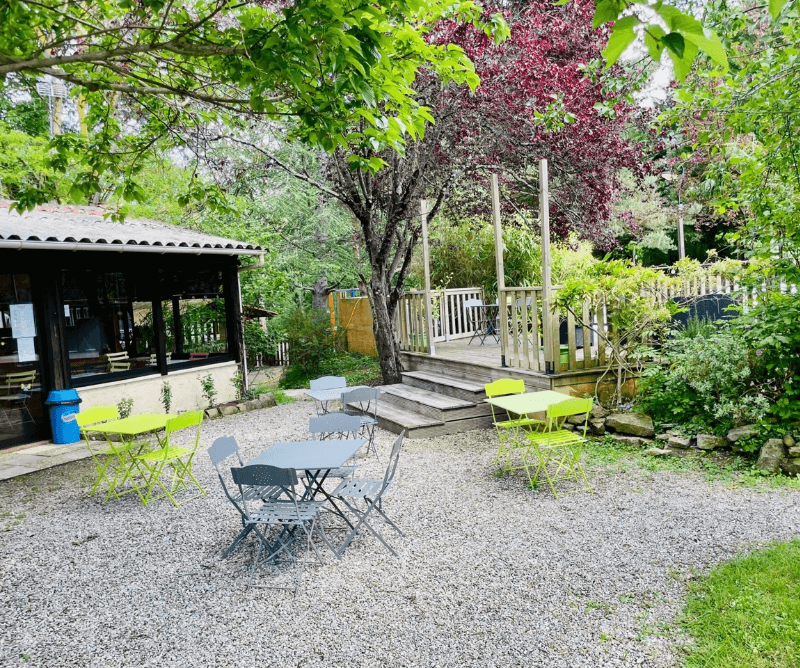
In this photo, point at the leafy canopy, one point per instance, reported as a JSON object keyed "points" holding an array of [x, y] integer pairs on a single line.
{"points": [[186, 68]]}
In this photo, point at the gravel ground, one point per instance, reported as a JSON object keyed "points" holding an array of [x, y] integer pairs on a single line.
{"points": [[491, 574]]}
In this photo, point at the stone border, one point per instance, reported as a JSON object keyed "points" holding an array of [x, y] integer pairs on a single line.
{"points": [[245, 406]]}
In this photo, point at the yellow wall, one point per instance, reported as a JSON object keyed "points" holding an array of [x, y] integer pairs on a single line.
{"points": [[355, 316]]}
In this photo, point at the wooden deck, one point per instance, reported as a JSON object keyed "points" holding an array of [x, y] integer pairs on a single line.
{"points": [[483, 363]]}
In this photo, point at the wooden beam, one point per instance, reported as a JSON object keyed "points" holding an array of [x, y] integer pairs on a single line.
{"points": [[177, 324], [54, 356], [426, 256], [233, 311], [551, 338], [499, 268], [160, 335]]}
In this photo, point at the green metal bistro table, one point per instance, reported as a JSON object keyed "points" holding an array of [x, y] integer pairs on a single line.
{"points": [[528, 403], [129, 429], [525, 405]]}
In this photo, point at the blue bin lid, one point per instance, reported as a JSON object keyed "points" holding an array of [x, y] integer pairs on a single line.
{"points": [[57, 397]]}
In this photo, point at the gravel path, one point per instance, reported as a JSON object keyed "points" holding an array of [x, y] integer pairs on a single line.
{"points": [[491, 574]]}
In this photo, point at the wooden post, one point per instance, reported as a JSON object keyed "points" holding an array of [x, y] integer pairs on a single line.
{"points": [[177, 324], [233, 312], [46, 284], [426, 258], [551, 346], [160, 335], [500, 269]]}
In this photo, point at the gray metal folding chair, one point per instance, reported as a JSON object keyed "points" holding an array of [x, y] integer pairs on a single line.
{"points": [[288, 514], [326, 383], [371, 492], [220, 450], [335, 426], [363, 401]]}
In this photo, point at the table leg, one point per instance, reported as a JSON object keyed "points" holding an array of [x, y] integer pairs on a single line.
{"points": [[239, 538]]}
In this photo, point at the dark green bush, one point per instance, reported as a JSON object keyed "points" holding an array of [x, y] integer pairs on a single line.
{"points": [[772, 330], [709, 382], [260, 342], [311, 340]]}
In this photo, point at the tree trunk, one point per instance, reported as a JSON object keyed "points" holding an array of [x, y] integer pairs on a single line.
{"points": [[319, 293], [383, 329]]}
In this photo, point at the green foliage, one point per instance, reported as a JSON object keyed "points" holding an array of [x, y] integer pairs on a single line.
{"points": [[708, 382], [640, 217], [345, 70], [746, 612], [22, 110], [771, 330], [735, 470], [311, 340], [463, 256], [124, 407], [281, 398], [634, 312], [166, 396], [685, 39], [260, 342], [740, 138], [23, 164], [357, 369], [238, 385], [696, 327], [208, 389]]}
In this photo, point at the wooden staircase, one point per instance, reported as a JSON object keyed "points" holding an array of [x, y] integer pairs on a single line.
{"points": [[432, 404]]}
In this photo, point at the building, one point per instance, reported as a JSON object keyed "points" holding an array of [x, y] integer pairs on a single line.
{"points": [[113, 310]]}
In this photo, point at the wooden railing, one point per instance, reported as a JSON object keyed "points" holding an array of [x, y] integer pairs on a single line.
{"points": [[531, 336], [449, 318], [532, 333]]}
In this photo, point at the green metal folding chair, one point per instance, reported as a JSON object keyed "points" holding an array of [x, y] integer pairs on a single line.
{"points": [[15, 391], [152, 465], [557, 451], [105, 455], [118, 362], [508, 429]]}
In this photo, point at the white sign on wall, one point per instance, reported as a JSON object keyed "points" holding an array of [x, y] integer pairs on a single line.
{"points": [[25, 349], [22, 324]]}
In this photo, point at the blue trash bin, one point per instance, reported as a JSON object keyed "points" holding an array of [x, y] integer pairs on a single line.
{"points": [[62, 404]]}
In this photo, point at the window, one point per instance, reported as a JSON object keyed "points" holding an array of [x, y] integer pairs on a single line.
{"points": [[22, 414], [108, 331], [194, 317]]}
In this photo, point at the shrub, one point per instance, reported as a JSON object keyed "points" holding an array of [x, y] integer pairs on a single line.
{"points": [[357, 369], [710, 382], [208, 389], [166, 396], [260, 342], [771, 330], [311, 339], [124, 407]]}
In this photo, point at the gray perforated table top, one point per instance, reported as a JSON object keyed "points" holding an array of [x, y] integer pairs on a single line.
{"points": [[332, 394], [309, 455]]}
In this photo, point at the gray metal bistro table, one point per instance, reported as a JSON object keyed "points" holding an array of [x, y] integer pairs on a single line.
{"points": [[333, 394], [316, 458]]}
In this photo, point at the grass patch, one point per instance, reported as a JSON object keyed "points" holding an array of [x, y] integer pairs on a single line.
{"points": [[737, 471], [746, 613], [281, 397], [357, 369]]}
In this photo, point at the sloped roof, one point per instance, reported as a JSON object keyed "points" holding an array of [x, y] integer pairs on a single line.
{"points": [[53, 227]]}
